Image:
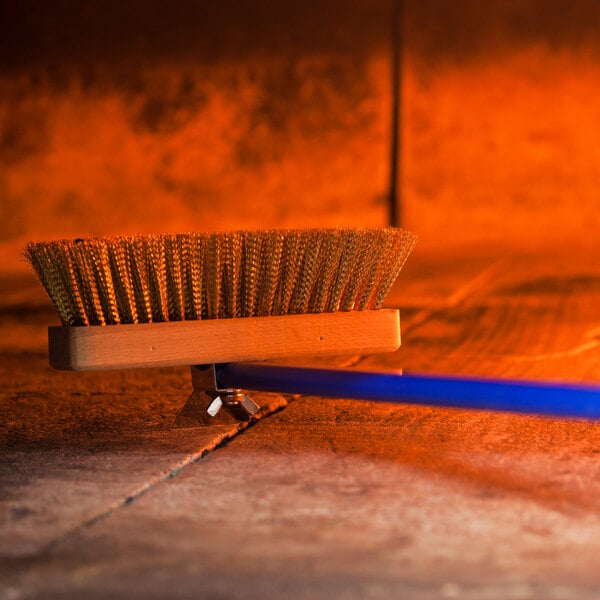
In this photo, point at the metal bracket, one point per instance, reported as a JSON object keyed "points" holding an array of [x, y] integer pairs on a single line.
{"points": [[209, 403]]}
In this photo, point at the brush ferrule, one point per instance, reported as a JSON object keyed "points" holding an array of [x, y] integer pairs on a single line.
{"points": [[204, 378], [233, 400]]}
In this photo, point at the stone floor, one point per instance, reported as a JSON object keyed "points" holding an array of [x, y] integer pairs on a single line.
{"points": [[101, 498]]}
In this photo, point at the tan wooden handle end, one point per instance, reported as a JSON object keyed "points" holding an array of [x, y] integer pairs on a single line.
{"points": [[223, 340]]}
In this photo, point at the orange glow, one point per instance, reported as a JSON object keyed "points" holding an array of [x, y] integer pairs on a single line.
{"points": [[504, 151], [495, 151], [224, 155]]}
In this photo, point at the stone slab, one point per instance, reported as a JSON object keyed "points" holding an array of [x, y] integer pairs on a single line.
{"points": [[328, 499]]}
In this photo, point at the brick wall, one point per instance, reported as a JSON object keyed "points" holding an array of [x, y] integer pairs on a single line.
{"points": [[154, 116]]}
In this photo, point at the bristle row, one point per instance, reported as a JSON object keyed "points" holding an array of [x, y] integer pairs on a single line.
{"points": [[191, 276]]}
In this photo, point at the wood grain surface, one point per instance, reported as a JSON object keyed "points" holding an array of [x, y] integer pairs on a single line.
{"points": [[324, 499], [223, 340]]}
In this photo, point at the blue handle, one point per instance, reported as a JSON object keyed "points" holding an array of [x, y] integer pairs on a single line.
{"points": [[542, 398]]}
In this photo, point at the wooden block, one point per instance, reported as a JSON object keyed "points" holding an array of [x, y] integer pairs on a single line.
{"points": [[223, 340]]}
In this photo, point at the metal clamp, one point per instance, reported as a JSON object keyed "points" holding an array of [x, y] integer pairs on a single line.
{"points": [[210, 403]]}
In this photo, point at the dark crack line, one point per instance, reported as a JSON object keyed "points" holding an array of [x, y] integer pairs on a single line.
{"points": [[218, 442]]}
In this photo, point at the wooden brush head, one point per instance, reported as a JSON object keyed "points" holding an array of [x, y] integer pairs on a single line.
{"points": [[199, 298], [224, 340]]}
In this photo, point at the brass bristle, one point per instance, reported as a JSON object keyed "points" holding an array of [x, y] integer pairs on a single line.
{"points": [[123, 281], [269, 269], [192, 276], [252, 251], [291, 257]]}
